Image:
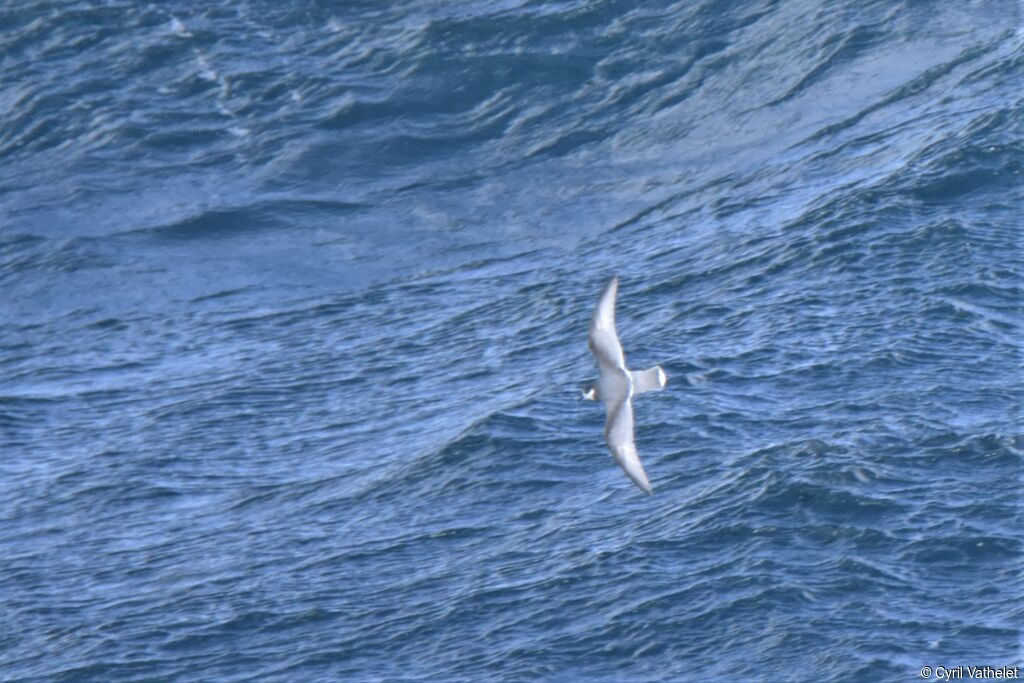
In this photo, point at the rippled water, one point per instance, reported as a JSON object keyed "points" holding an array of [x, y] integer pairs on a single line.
{"points": [[294, 309]]}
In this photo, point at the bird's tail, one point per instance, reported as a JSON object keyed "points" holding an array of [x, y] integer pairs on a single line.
{"points": [[651, 379]]}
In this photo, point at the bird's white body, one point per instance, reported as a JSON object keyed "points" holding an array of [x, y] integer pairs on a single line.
{"points": [[616, 386]]}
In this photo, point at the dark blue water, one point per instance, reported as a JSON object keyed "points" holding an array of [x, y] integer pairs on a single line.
{"points": [[293, 312]]}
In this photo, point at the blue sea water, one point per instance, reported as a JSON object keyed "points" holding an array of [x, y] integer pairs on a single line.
{"points": [[293, 312]]}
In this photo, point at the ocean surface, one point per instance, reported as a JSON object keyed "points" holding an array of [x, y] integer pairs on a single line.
{"points": [[294, 300]]}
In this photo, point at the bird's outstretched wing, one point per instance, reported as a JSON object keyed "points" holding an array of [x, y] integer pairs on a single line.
{"points": [[616, 386], [618, 431], [604, 341]]}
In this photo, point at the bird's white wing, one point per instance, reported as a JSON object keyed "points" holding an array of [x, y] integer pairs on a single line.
{"points": [[604, 341], [618, 430]]}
